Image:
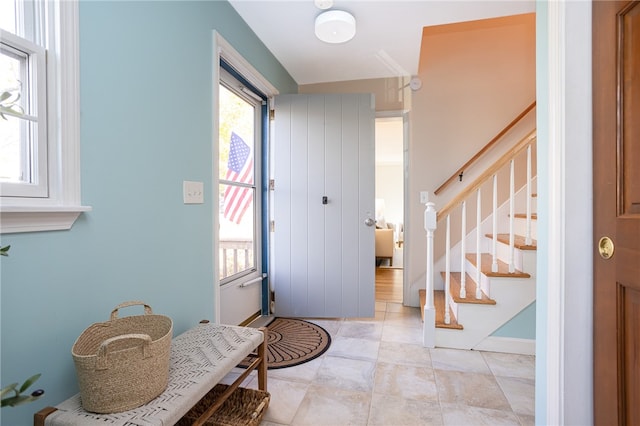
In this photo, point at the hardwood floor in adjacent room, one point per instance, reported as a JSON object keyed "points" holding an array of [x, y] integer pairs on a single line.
{"points": [[389, 285]]}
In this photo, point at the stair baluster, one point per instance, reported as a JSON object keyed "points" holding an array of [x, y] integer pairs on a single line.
{"points": [[494, 243], [512, 266], [463, 250], [478, 240], [447, 275], [528, 239]]}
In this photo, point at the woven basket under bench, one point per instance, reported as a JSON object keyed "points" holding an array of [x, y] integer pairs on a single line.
{"points": [[200, 358], [244, 407]]}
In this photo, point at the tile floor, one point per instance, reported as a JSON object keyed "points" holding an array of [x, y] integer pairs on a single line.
{"points": [[376, 372]]}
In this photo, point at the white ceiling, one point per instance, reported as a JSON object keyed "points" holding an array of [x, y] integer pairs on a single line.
{"points": [[387, 41]]}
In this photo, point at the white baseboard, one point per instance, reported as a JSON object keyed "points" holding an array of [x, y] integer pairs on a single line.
{"points": [[510, 345]]}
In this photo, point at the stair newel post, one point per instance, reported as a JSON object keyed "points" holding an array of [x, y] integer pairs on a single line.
{"points": [[447, 274], [478, 240], [528, 239], [429, 330], [463, 251], [494, 242], [512, 267]]}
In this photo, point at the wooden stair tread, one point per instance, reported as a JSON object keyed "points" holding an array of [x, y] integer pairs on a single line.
{"points": [[470, 286], [519, 241], [503, 269], [534, 216], [438, 301]]}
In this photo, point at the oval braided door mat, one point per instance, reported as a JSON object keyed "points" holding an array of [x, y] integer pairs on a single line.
{"points": [[293, 341]]}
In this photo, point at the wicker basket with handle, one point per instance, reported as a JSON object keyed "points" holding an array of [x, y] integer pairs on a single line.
{"points": [[124, 362]]}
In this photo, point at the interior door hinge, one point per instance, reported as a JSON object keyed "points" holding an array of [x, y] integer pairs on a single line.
{"points": [[272, 226], [272, 185], [272, 114]]}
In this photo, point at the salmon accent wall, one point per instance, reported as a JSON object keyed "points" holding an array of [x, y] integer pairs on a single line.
{"points": [[477, 76]]}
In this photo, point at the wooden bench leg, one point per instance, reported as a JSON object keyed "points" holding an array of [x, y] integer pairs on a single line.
{"points": [[38, 418]]}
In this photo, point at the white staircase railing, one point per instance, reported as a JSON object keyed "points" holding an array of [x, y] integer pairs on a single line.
{"points": [[509, 158]]}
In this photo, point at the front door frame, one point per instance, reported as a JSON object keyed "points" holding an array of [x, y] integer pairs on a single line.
{"points": [[222, 49], [564, 348]]}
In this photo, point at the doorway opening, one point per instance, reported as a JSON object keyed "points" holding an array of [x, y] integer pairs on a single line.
{"points": [[242, 111], [390, 207], [240, 278]]}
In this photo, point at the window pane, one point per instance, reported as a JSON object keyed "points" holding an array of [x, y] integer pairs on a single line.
{"points": [[15, 147], [11, 158], [237, 219], [237, 118]]}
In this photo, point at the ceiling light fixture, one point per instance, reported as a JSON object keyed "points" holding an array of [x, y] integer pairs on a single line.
{"points": [[335, 26]]}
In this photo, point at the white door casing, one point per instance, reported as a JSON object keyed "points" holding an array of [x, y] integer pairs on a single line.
{"points": [[323, 252]]}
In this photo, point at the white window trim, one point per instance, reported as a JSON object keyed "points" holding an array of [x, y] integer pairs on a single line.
{"points": [[63, 206]]}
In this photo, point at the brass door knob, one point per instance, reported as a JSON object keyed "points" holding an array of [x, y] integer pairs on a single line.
{"points": [[606, 247]]}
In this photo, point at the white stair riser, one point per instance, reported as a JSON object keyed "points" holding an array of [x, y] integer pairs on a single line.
{"points": [[520, 227], [521, 258]]}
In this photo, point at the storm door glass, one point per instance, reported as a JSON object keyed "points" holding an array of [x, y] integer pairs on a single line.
{"points": [[239, 131]]}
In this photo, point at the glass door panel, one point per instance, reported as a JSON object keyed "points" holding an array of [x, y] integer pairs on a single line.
{"points": [[239, 115], [237, 242]]}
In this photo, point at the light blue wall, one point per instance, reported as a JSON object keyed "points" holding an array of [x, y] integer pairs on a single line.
{"points": [[522, 326], [542, 90], [146, 84]]}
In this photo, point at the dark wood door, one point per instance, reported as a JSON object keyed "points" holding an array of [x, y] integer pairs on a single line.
{"points": [[616, 143]]}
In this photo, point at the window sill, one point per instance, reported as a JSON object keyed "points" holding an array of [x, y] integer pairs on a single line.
{"points": [[15, 219]]}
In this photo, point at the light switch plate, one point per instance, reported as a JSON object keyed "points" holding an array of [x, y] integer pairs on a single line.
{"points": [[424, 197], [193, 192]]}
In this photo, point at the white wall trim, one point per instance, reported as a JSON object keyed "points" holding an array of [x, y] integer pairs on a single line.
{"points": [[223, 49], [407, 243], [556, 214], [510, 345]]}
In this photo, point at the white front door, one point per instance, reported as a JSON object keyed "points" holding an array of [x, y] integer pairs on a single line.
{"points": [[323, 205]]}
